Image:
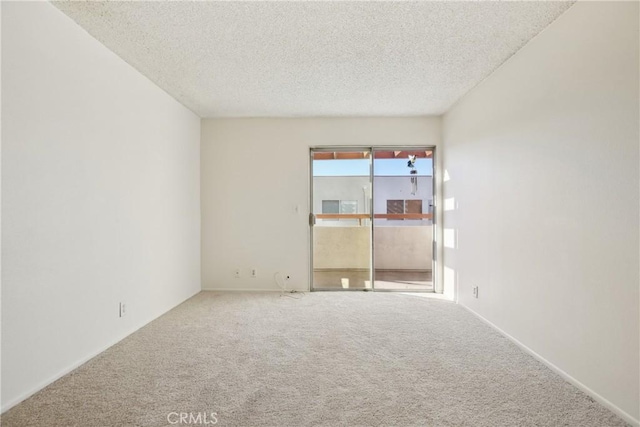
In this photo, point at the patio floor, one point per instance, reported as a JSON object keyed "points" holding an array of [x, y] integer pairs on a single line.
{"points": [[407, 280]]}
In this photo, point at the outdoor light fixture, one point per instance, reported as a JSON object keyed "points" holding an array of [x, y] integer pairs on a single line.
{"points": [[414, 179]]}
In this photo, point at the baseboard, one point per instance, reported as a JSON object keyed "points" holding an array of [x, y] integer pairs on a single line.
{"points": [[604, 402], [250, 290], [84, 360]]}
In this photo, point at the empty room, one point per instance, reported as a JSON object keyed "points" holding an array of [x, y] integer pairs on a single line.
{"points": [[240, 213]]}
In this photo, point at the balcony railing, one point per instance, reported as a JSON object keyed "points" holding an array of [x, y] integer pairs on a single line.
{"points": [[360, 217]]}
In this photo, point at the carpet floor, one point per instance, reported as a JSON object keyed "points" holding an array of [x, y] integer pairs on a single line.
{"points": [[326, 359]]}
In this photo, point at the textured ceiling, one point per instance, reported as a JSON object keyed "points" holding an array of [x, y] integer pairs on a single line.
{"points": [[250, 59]]}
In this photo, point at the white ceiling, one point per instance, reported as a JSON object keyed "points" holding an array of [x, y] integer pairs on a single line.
{"points": [[250, 59]]}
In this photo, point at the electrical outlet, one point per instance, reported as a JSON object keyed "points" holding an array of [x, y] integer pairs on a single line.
{"points": [[475, 291], [254, 273], [236, 273], [123, 309]]}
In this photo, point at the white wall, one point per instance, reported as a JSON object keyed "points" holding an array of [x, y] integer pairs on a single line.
{"points": [[100, 185], [542, 160], [254, 174]]}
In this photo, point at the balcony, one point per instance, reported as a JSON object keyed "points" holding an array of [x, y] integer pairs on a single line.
{"points": [[402, 254]]}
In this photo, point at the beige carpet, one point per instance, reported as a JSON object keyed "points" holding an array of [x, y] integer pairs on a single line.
{"points": [[330, 359]]}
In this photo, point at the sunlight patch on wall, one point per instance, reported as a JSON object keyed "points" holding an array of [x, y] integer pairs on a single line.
{"points": [[450, 236], [450, 204]]}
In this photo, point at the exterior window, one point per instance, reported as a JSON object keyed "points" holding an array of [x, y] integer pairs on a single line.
{"points": [[404, 207], [340, 206], [395, 206], [348, 206], [330, 206], [413, 206]]}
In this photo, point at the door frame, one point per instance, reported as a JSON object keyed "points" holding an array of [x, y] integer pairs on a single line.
{"points": [[346, 148], [434, 209]]}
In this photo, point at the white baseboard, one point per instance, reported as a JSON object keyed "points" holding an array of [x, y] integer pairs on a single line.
{"points": [[250, 290], [83, 360], [604, 402]]}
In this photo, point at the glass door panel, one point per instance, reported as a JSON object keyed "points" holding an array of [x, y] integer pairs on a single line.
{"points": [[403, 219], [341, 219]]}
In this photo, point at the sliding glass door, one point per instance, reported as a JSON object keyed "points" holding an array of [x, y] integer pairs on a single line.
{"points": [[372, 219], [341, 219], [403, 219]]}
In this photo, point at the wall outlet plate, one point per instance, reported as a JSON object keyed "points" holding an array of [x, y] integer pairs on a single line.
{"points": [[123, 309], [236, 273], [254, 273]]}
